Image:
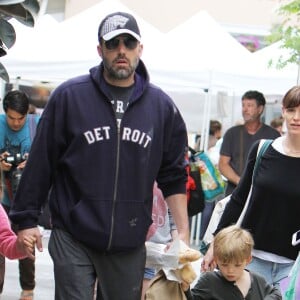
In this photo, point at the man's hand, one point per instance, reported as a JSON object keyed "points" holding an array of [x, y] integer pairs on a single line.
{"points": [[26, 240], [5, 166], [226, 169], [23, 163], [29, 242], [185, 237]]}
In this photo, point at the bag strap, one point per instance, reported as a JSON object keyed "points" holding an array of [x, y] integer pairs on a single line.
{"points": [[262, 147]]}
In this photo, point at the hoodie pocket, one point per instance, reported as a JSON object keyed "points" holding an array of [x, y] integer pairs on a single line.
{"points": [[131, 223], [90, 222]]}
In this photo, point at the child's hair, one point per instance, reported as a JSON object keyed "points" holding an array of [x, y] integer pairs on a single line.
{"points": [[233, 244]]}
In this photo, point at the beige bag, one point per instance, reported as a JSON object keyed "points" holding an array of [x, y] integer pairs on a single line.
{"points": [[163, 289]]}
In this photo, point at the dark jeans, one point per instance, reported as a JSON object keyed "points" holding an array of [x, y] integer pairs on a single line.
{"points": [[205, 217], [26, 268]]}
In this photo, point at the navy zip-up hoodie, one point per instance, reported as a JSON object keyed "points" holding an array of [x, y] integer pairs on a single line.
{"points": [[101, 178]]}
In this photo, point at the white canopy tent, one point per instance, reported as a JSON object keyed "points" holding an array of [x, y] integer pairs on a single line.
{"points": [[68, 48], [273, 53], [60, 51], [198, 63], [194, 57]]}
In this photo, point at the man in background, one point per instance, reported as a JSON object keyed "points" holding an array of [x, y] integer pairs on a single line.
{"points": [[237, 140]]}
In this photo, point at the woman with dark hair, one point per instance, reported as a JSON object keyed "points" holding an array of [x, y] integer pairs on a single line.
{"points": [[273, 212]]}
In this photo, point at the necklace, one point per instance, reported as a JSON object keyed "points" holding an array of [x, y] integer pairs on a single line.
{"points": [[292, 151], [289, 150]]}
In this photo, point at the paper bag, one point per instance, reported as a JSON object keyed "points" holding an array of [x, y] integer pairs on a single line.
{"points": [[163, 289]]}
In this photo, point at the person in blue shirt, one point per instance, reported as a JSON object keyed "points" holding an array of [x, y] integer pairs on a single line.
{"points": [[17, 129]]}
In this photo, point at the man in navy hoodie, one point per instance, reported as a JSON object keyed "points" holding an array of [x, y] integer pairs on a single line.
{"points": [[102, 141]]}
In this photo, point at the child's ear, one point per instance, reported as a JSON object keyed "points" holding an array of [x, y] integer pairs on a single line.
{"points": [[216, 261], [249, 259]]}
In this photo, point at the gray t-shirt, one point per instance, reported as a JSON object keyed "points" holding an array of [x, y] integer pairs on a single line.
{"points": [[237, 142]]}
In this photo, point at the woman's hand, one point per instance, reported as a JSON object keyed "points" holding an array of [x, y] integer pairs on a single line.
{"points": [[208, 263]]}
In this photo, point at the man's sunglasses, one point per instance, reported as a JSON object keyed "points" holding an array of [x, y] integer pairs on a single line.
{"points": [[129, 42]]}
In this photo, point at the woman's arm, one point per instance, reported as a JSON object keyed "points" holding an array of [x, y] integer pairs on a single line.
{"points": [[239, 196]]}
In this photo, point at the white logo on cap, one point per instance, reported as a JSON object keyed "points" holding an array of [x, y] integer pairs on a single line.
{"points": [[112, 23]]}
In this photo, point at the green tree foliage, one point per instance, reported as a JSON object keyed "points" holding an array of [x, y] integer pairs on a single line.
{"points": [[24, 11], [288, 32]]}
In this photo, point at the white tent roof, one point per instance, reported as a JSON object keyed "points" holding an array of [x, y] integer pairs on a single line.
{"points": [[274, 52], [59, 51], [196, 55], [201, 43], [30, 41], [78, 36]]}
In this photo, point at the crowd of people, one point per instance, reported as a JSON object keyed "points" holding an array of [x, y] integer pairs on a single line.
{"points": [[105, 143]]}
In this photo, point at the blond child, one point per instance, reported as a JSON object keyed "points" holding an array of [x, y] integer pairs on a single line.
{"points": [[232, 253]]}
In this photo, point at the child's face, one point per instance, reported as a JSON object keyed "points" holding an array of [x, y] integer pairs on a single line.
{"points": [[232, 271]]}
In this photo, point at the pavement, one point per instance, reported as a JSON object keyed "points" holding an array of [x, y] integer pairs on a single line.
{"points": [[44, 275]]}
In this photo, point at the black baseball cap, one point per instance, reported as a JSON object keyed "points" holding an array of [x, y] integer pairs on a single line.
{"points": [[117, 23]]}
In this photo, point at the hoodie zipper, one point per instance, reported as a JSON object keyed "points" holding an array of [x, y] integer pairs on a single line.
{"points": [[115, 187]]}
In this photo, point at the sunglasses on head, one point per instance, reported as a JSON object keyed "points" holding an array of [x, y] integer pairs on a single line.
{"points": [[129, 42]]}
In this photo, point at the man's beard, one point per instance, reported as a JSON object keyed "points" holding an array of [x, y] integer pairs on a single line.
{"points": [[120, 73]]}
